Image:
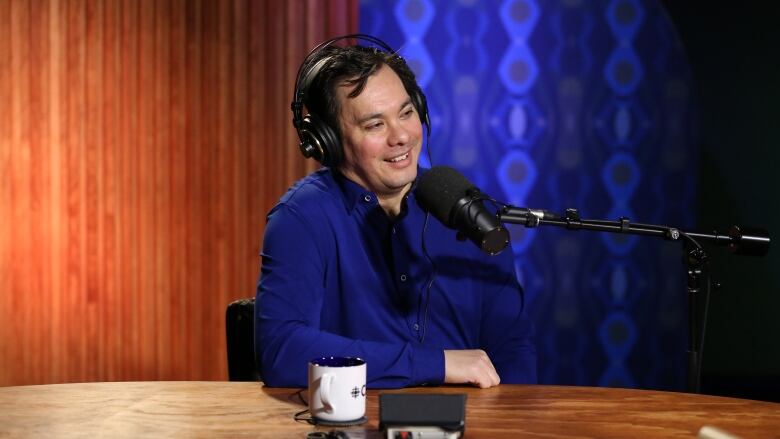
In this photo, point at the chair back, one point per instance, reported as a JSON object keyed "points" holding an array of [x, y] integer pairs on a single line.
{"points": [[240, 331]]}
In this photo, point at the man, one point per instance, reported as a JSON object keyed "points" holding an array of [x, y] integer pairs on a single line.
{"points": [[345, 271]]}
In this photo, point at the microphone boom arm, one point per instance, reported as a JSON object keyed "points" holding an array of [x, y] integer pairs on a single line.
{"points": [[739, 240]]}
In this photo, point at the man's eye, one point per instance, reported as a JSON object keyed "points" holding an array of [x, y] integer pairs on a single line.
{"points": [[408, 113], [374, 126]]}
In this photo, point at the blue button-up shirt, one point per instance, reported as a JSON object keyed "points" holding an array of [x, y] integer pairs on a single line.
{"points": [[340, 278]]}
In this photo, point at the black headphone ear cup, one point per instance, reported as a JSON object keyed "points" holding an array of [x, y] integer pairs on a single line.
{"points": [[320, 142], [311, 144], [421, 105]]}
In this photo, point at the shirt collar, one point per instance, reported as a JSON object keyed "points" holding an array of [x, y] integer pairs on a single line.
{"points": [[356, 195]]}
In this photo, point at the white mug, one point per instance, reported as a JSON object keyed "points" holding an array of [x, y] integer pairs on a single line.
{"points": [[337, 389]]}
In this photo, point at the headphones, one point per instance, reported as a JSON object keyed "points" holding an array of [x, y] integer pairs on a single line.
{"points": [[319, 140]]}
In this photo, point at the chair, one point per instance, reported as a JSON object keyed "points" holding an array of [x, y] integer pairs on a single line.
{"points": [[240, 331]]}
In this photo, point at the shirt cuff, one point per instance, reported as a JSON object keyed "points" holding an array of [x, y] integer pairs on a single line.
{"points": [[427, 366]]}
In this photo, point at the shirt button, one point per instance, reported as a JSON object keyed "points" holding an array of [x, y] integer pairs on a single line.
{"points": [[403, 278], [367, 198], [416, 327]]}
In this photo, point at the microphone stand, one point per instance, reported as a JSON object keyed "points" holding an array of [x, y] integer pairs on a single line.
{"points": [[739, 241]]}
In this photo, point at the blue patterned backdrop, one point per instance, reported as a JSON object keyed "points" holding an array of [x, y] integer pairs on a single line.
{"points": [[569, 103]]}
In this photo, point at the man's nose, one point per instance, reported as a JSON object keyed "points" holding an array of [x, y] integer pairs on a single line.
{"points": [[399, 135]]}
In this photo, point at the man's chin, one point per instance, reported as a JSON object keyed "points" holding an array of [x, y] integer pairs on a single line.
{"points": [[399, 184], [401, 179]]}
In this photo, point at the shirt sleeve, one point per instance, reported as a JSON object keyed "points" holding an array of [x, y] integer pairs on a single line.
{"points": [[507, 333], [289, 304]]}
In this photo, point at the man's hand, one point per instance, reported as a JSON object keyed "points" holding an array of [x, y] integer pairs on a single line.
{"points": [[469, 366]]}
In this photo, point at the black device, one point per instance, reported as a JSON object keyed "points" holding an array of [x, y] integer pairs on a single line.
{"points": [[423, 415], [319, 140]]}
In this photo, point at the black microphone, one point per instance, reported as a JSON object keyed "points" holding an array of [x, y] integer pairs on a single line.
{"points": [[453, 200]]}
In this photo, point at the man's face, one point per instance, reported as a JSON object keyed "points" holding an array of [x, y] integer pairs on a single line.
{"points": [[381, 134]]}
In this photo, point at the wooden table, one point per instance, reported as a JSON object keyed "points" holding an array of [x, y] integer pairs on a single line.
{"points": [[230, 409]]}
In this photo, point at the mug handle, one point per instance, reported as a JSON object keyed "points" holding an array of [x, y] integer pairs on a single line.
{"points": [[326, 381]]}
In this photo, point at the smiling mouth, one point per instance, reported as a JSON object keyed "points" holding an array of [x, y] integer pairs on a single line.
{"points": [[399, 158]]}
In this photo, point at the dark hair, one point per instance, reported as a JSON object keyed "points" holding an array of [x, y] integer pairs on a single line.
{"points": [[352, 65]]}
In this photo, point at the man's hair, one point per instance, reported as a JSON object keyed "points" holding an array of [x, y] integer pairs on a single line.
{"points": [[352, 66]]}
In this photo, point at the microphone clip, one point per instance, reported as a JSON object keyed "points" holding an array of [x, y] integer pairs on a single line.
{"points": [[573, 220]]}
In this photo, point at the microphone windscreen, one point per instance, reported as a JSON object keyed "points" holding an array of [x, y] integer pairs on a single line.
{"points": [[439, 190]]}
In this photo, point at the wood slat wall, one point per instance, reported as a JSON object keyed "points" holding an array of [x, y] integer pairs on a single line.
{"points": [[141, 144]]}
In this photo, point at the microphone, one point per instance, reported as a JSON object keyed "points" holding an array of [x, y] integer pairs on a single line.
{"points": [[453, 200]]}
